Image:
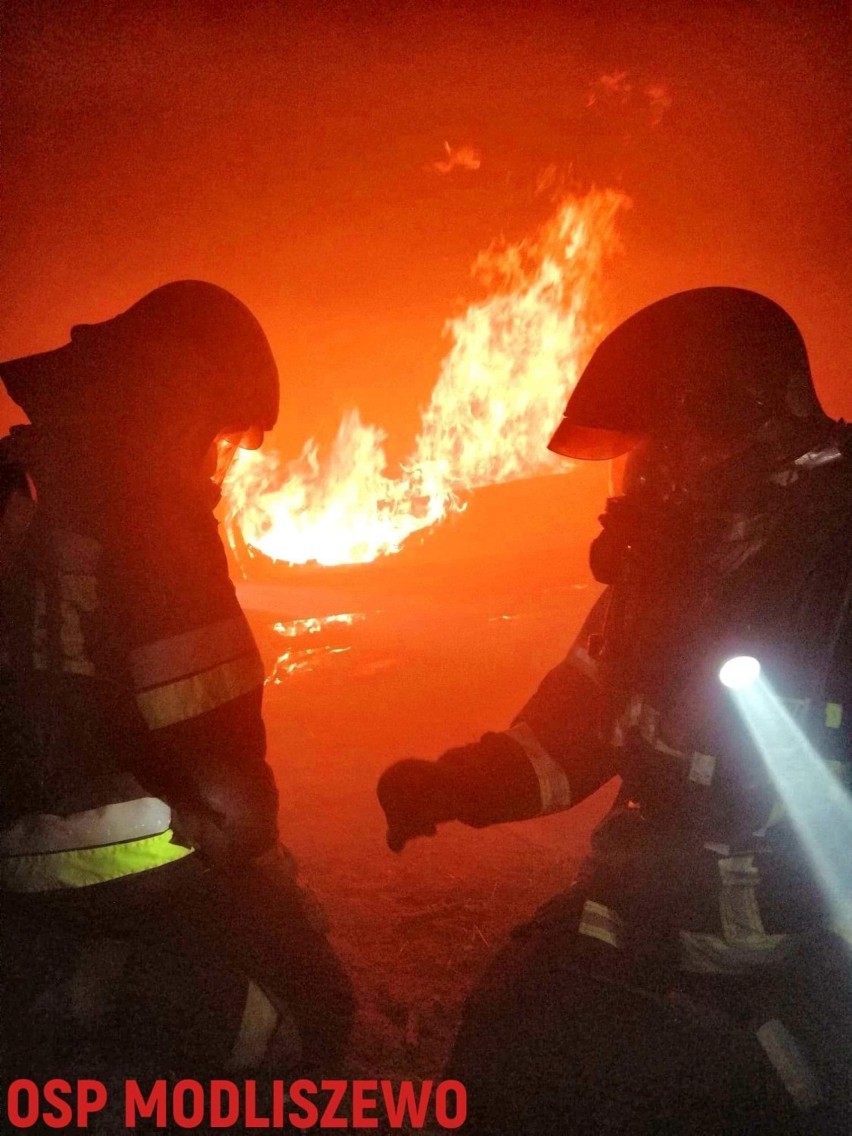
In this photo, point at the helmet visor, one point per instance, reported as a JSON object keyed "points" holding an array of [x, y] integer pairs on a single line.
{"points": [[226, 446]]}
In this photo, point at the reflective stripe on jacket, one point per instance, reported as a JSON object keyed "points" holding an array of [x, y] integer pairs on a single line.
{"points": [[132, 683], [47, 853], [186, 675], [80, 867]]}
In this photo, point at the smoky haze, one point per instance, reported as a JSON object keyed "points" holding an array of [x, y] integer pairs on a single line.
{"points": [[297, 154]]}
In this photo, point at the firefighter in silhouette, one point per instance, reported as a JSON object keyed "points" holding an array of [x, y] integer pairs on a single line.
{"points": [[695, 978], [149, 914]]}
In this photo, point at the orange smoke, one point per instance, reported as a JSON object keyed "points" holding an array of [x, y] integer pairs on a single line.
{"points": [[513, 360]]}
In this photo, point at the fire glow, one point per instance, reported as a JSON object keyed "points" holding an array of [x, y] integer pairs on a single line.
{"points": [[299, 658], [514, 358]]}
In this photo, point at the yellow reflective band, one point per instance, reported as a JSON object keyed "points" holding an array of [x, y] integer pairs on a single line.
{"points": [[602, 923], [744, 941], [190, 652], [189, 697], [257, 1028], [702, 953], [738, 906], [554, 786], [53, 871], [833, 715], [702, 766], [796, 1074]]}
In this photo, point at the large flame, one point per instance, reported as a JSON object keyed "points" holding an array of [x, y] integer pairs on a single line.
{"points": [[513, 360]]}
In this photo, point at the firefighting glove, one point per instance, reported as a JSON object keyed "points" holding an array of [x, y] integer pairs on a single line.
{"points": [[416, 796]]}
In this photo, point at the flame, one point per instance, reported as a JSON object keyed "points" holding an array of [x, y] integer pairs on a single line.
{"points": [[514, 358]]}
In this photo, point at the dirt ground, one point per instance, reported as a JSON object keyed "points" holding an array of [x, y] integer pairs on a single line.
{"points": [[438, 650]]}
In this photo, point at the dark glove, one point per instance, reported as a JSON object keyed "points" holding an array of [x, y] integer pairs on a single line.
{"points": [[416, 796], [229, 815]]}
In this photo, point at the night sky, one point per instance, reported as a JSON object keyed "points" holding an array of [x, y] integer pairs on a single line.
{"points": [[293, 153]]}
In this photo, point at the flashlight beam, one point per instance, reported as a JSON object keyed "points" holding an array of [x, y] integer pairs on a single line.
{"points": [[817, 802], [739, 672]]}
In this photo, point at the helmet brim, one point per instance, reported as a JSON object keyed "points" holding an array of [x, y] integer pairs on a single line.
{"points": [[252, 439], [590, 443]]}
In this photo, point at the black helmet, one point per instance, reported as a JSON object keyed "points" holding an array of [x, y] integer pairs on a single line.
{"points": [[188, 348], [725, 360]]}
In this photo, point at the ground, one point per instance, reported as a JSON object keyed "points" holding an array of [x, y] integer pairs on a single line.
{"points": [[437, 652]]}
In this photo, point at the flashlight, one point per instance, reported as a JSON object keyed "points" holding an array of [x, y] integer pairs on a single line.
{"points": [[739, 672]]}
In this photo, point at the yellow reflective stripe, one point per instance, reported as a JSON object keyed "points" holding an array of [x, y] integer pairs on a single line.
{"points": [[554, 787], [702, 766], [796, 1074], [257, 1028], [833, 715], [744, 939], [191, 651], [82, 867], [602, 923], [702, 953], [189, 697], [738, 908], [742, 925]]}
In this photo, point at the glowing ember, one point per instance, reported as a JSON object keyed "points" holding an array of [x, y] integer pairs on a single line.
{"points": [[503, 385], [293, 628], [298, 659], [293, 662]]}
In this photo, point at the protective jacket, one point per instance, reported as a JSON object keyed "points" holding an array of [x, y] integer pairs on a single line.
{"points": [[131, 685], [149, 912], [699, 862]]}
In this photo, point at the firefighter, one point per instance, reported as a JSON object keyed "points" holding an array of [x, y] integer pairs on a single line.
{"points": [[696, 977], [150, 917]]}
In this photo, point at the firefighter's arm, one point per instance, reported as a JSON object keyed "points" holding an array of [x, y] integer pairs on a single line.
{"points": [[210, 768], [551, 757], [197, 680]]}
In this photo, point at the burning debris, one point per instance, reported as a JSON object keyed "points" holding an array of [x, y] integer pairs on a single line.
{"points": [[299, 657], [513, 359]]}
